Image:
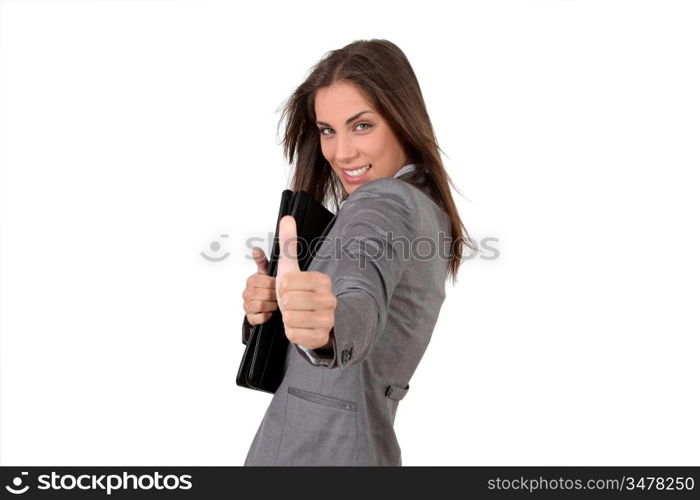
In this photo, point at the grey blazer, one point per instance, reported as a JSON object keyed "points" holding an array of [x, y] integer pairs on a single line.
{"points": [[388, 264]]}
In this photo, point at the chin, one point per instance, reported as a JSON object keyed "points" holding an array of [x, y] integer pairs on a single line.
{"points": [[353, 187]]}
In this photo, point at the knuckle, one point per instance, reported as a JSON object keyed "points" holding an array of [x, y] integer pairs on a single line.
{"points": [[291, 317], [332, 301]]}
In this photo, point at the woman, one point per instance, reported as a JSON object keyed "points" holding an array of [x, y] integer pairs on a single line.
{"points": [[360, 318]]}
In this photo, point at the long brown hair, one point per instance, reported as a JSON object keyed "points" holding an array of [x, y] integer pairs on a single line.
{"points": [[381, 70]]}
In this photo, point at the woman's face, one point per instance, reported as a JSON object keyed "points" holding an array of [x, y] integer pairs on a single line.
{"points": [[354, 135]]}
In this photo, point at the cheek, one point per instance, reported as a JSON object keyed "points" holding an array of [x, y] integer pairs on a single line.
{"points": [[381, 144], [324, 150], [391, 149]]}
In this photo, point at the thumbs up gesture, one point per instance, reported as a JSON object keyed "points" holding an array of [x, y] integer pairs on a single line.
{"points": [[305, 298]]}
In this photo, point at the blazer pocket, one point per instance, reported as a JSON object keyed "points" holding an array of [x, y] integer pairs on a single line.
{"points": [[318, 430], [322, 399]]}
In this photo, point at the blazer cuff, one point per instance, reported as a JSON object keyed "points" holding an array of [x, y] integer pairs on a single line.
{"points": [[320, 357]]}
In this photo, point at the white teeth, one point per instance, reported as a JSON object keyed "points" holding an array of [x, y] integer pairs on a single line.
{"points": [[358, 172]]}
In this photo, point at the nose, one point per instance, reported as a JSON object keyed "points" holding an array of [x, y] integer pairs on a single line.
{"points": [[345, 150]]}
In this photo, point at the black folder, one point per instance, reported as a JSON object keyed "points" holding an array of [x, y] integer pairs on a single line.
{"points": [[263, 363]]}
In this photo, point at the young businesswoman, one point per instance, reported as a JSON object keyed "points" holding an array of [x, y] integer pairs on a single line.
{"points": [[360, 318]]}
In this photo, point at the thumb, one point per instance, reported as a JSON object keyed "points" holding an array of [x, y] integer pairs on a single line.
{"points": [[287, 260], [260, 260]]}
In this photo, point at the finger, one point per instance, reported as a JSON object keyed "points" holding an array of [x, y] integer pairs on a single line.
{"points": [[260, 260], [258, 280], [308, 319], [307, 280], [287, 261], [258, 306], [257, 319], [304, 300], [260, 294], [312, 338]]}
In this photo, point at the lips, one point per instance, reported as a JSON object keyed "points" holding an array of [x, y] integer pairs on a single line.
{"points": [[357, 178]]}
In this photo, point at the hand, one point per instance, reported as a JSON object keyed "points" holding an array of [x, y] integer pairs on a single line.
{"points": [[305, 298], [259, 296]]}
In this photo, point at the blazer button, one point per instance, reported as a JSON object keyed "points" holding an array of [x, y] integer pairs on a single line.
{"points": [[346, 355]]}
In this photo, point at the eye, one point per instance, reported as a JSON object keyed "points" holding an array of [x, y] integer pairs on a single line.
{"points": [[322, 130]]}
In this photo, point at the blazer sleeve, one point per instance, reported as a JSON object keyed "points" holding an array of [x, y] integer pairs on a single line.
{"points": [[373, 251]]}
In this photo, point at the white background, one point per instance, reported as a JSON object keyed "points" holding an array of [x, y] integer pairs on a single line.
{"points": [[135, 133]]}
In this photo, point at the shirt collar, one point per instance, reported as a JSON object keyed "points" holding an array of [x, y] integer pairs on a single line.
{"points": [[405, 169]]}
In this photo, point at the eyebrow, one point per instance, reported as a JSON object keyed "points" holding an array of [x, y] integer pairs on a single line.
{"points": [[353, 117]]}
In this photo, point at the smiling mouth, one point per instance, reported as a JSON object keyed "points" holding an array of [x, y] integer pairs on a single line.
{"points": [[358, 172]]}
